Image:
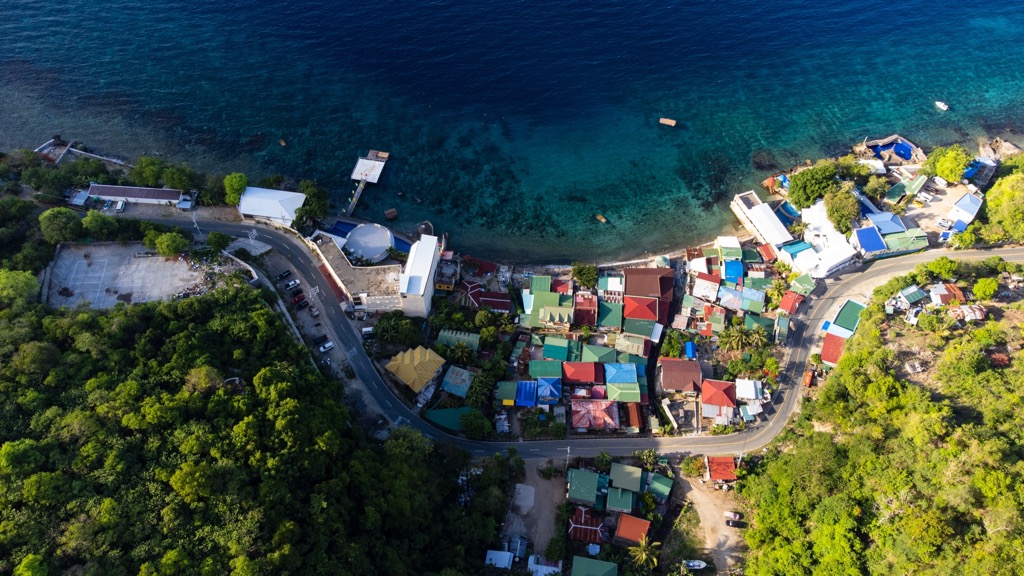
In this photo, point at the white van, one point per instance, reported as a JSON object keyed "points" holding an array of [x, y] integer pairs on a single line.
{"points": [[327, 347], [367, 333], [119, 207]]}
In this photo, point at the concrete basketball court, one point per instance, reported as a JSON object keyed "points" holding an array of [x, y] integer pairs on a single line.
{"points": [[106, 274]]}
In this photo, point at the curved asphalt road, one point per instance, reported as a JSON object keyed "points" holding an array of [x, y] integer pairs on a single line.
{"points": [[804, 336]]}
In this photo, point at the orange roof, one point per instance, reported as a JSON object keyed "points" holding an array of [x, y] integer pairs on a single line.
{"points": [[790, 301], [722, 467], [719, 393], [632, 414], [832, 349], [640, 308], [631, 528]]}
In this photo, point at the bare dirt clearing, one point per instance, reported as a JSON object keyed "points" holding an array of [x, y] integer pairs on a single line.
{"points": [[726, 545]]}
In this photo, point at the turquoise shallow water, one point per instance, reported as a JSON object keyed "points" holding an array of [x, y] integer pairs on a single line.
{"points": [[513, 123]]}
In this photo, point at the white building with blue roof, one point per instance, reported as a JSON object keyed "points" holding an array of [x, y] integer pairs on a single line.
{"points": [[965, 209]]}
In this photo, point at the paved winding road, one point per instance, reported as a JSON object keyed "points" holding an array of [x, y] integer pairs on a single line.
{"points": [[812, 315]]}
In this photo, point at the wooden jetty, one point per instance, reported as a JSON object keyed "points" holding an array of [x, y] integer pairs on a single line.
{"points": [[667, 121], [368, 169]]}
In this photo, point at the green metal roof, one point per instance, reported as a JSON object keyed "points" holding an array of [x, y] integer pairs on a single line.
{"points": [[750, 305], [621, 500], [638, 327], [450, 418], [751, 321], [849, 315], [583, 485], [545, 368], [453, 337], [541, 301], [730, 253], [627, 358], [625, 476], [609, 315], [592, 353], [630, 344], [896, 192], [912, 240], [660, 486], [556, 348], [583, 566], [761, 284], [624, 392], [802, 284], [750, 255], [915, 185], [540, 284], [507, 390]]}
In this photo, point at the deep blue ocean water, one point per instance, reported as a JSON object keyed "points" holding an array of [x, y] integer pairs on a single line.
{"points": [[514, 122]]}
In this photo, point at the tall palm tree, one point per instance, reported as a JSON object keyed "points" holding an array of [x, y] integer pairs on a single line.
{"points": [[731, 338], [645, 554], [479, 393], [461, 353], [757, 338]]}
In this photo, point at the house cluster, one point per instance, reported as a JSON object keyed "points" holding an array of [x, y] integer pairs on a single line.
{"points": [[599, 372], [727, 279], [722, 402], [607, 509], [838, 331], [912, 301]]}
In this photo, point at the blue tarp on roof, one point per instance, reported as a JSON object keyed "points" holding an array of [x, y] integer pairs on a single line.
{"points": [[972, 169], [959, 226], [691, 350], [796, 248], [752, 294], [887, 223], [869, 239], [526, 393], [549, 390], [733, 270]]}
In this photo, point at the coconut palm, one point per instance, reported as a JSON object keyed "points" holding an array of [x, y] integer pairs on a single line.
{"points": [[479, 393], [757, 338], [461, 353], [731, 338], [777, 290], [645, 554]]}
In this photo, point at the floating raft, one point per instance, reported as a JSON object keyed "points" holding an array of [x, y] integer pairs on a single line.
{"points": [[601, 219], [667, 121], [391, 213]]}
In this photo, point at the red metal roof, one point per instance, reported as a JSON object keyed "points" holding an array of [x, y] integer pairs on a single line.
{"points": [[722, 468], [585, 309], [585, 526], [640, 308], [719, 393], [832, 349], [631, 528], [581, 372], [680, 374], [767, 252], [790, 302], [497, 301], [632, 414]]}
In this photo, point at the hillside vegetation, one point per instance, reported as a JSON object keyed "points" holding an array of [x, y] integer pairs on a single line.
{"points": [[881, 476]]}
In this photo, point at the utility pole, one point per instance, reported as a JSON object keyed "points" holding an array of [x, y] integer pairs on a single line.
{"points": [[199, 233], [567, 450]]}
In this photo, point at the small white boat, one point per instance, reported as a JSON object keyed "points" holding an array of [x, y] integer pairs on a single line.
{"points": [[696, 564], [941, 105]]}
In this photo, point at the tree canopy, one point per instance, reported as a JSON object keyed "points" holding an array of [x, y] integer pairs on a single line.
{"points": [[60, 225], [234, 186], [807, 186], [842, 208], [1006, 205], [947, 163], [584, 274]]}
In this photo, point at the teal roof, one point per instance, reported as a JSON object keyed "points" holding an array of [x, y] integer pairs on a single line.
{"points": [[625, 476], [751, 321], [457, 381], [453, 337], [849, 314], [660, 486], [545, 368], [621, 500], [583, 566], [592, 353], [750, 255], [556, 348], [609, 315], [507, 390], [450, 418], [586, 486], [643, 328], [540, 284], [803, 284]]}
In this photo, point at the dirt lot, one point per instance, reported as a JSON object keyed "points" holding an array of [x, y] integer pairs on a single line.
{"points": [[726, 545], [105, 274], [538, 522]]}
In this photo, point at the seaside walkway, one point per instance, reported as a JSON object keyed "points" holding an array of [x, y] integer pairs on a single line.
{"points": [[368, 169]]}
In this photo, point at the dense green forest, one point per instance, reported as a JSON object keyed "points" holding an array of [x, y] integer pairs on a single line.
{"points": [[883, 476], [195, 437]]}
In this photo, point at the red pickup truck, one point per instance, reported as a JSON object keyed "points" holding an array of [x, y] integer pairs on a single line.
{"points": [[808, 378]]}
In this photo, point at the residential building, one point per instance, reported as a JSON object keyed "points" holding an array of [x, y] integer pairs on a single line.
{"points": [[942, 294], [416, 367], [759, 219], [680, 375], [275, 206], [585, 309], [587, 527], [630, 530], [626, 477], [582, 566], [620, 500], [595, 415], [790, 302], [650, 283], [582, 373], [720, 469], [910, 295], [609, 316], [611, 288], [586, 487], [138, 195], [729, 248], [832, 349], [499, 559], [965, 209], [457, 381], [416, 283], [452, 337], [718, 399]]}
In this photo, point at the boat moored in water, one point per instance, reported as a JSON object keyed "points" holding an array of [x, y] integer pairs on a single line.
{"points": [[941, 105]]}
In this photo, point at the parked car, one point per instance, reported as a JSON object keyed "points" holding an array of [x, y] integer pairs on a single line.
{"points": [[327, 347], [298, 299], [735, 524], [733, 515], [295, 292], [302, 305], [320, 340], [808, 378], [284, 275], [367, 333], [291, 284], [944, 224], [314, 311]]}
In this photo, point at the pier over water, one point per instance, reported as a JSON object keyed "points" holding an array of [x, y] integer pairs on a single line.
{"points": [[368, 169]]}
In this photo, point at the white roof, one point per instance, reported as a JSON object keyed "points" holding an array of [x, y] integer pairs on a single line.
{"points": [[699, 265], [768, 226], [370, 240], [277, 205], [876, 165], [748, 389], [837, 330], [728, 242], [705, 289], [419, 268], [538, 567], [368, 170], [499, 559]]}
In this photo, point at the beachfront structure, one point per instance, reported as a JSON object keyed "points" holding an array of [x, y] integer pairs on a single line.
{"points": [[824, 249], [611, 288], [965, 209], [729, 248], [759, 219], [275, 206], [416, 283], [135, 194]]}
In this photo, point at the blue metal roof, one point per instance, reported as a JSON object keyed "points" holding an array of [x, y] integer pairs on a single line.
{"points": [[887, 223], [959, 226], [870, 239], [549, 390], [620, 373], [969, 203], [733, 270], [526, 393]]}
